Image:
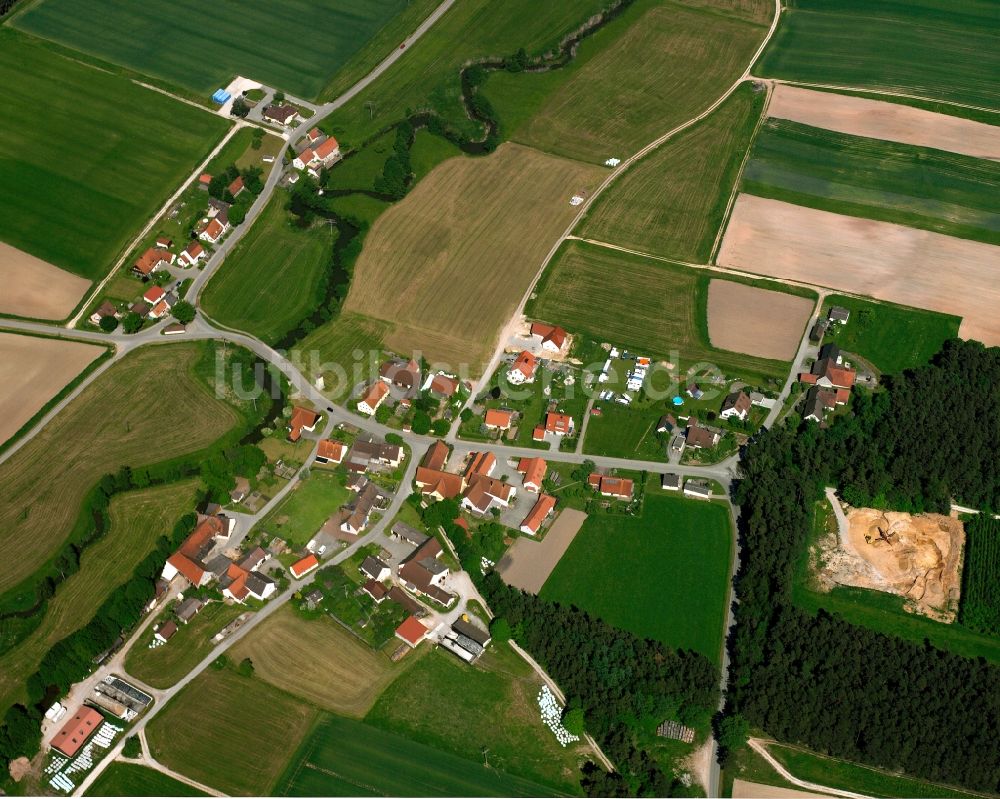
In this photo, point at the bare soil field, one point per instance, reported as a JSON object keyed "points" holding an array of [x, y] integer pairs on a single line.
{"points": [[918, 557], [450, 263], [318, 661], [32, 371], [755, 790], [879, 259], [876, 119], [35, 288], [755, 321], [528, 564]]}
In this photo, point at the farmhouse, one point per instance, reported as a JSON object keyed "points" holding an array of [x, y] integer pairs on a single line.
{"points": [[436, 456], [552, 338], [213, 230], [441, 385], [281, 114], [699, 437], [77, 730], [190, 559], [485, 493], [615, 487], [328, 150], [329, 451], [424, 574], [374, 569], [538, 514], [191, 254], [559, 423], [830, 371], [304, 159], [412, 631], [404, 375], [698, 489], [439, 484], [497, 419], [302, 567], [151, 260], [735, 405], [302, 419], [480, 463], [373, 397], [818, 401], [533, 470], [523, 369]]}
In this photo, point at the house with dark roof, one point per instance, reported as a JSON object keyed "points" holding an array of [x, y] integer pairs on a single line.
{"points": [[839, 315], [699, 437], [280, 114], [422, 572], [374, 569], [375, 590], [404, 375], [485, 493], [670, 482], [737, 405], [411, 535]]}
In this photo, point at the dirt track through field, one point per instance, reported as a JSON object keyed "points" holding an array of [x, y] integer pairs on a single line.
{"points": [[756, 321], [32, 371], [879, 259], [35, 288], [877, 119], [529, 563], [755, 790]]}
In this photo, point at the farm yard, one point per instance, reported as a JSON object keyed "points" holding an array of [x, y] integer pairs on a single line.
{"points": [[129, 779], [656, 307], [342, 757], [890, 337], [613, 99], [34, 370], [130, 148], [757, 321], [138, 518], [502, 686], [274, 276], [915, 186], [44, 494], [673, 201], [879, 259], [941, 49], [35, 288], [877, 119], [201, 50], [230, 732], [663, 574], [449, 264], [319, 661], [528, 563]]}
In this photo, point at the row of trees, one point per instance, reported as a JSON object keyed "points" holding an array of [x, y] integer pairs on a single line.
{"points": [[817, 680]]}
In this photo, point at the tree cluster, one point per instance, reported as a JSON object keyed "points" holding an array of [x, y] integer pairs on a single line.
{"points": [[397, 171]]}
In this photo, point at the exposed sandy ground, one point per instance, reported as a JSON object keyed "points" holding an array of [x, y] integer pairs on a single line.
{"points": [[32, 371], [880, 259], [876, 119], [754, 790], [33, 287], [529, 563], [916, 557], [756, 321]]}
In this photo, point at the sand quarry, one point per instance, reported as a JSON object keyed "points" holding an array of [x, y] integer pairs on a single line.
{"points": [[876, 119], [756, 321], [35, 288], [32, 371], [879, 259], [528, 563], [916, 557]]}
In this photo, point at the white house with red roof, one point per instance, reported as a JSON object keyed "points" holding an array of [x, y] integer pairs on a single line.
{"points": [[153, 295], [213, 230], [301, 568], [304, 159], [552, 337], [523, 369], [373, 397], [328, 150], [191, 254]]}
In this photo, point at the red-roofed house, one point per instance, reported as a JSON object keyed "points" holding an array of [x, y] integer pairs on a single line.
{"points": [[412, 631], [154, 258], [236, 186], [191, 254], [164, 243], [553, 337], [188, 560], [154, 294], [375, 590], [302, 419], [212, 230], [523, 369], [436, 456], [330, 451], [559, 423], [159, 310], [616, 487], [498, 419], [538, 434], [204, 179], [538, 513], [533, 470], [485, 493], [75, 732], [442, 385], [481, 463], [314, 135], [303, 159], [435, 483], [328, 150], [302, 567], [374, 397]]}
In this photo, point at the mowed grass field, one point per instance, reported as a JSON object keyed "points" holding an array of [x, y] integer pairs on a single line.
{"points": [[343, 757], [652, 68], [293, 45], [92, 155], [273, 278], [501, 686], [232, 733], [342, 352], [941, 49], [129, 779], [307, 507], [663, 575], [138, 518], [914, 186], [449, 264], [673, 202], [121, 413], [642, 304], [319, 661], [891, 337]]}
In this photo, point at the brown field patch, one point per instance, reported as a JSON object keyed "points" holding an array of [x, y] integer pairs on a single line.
{"points": [[528, 563], [32, 371], [319, 661], [450, 263], [877, 119], [756, 321], [879, 259], [755, 790], [35, 288]]}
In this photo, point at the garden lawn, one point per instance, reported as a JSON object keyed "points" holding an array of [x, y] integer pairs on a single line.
{"points": [[307, 507], [294, 45], [273, 279], [129, 779], [662, 575], [940, 49], [874, 179], [626, 432], [891, 337], [93, 155], [501, 686]]}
